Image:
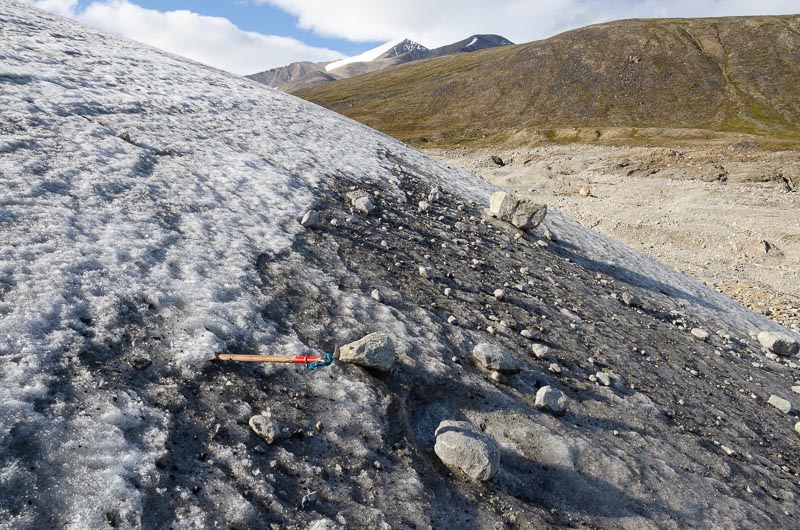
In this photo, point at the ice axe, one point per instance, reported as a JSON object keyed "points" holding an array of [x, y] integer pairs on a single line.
{"points": [[312, 362]]}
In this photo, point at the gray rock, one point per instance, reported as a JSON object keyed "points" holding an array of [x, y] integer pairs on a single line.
{"points": [[376, 295], [310, 219], [434, 195], [140, 360], [499, 378], [309, 499], [603, 378], [499, 294], [780, 404], [495, 358], [631, 300], [323, 524], [519, 212], [426, 272], [497, 160], [364, 205], [461, 446], [373, 351], [797, 428], [779, 343], [700, 334], [423, 206], [266, 428], [552, 400], [540, 351]]}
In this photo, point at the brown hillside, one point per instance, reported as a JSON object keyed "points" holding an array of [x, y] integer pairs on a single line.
{"points": [[737, 74]]}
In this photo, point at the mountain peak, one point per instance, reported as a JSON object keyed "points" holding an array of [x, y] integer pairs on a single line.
{"points": [[388, 50], [403, 47]]}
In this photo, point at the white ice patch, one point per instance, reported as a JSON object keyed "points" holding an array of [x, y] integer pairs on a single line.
{"points": [[367, 56]]}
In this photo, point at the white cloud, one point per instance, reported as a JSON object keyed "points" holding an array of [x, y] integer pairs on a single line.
{"points": [[210, 40], [59, 7], [446, 21]]}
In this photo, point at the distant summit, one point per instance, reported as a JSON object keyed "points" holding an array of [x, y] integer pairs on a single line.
{"points": [[471, 44], [305, 75], [403, 47]]}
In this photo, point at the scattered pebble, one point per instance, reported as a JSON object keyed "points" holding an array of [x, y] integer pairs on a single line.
{"points": [[266, 428], [540, 351], [310, 219], [499, 378], [309, 499], [495, 358], [780, 404], [452, 320], [700, 334], [140, 360], [603, 378], [376, 295], [364, 205], [551, 400], [631, 300], [499, 294]]}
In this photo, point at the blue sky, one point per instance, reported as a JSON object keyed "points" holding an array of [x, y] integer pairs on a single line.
{"points": [[249, 36]]}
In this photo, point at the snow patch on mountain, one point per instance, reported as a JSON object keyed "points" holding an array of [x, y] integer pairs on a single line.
{"points": [[404, 45]]}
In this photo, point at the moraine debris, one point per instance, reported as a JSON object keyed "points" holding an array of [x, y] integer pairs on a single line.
{"points": [[266, 428], [495, 358], [521, 213], [779, 343], [781, 404], [551, 400], [461, 446], [374, 351], [310, 219]]}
